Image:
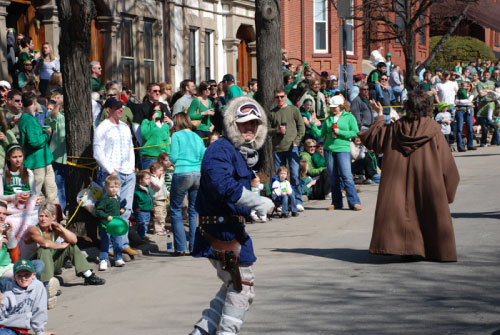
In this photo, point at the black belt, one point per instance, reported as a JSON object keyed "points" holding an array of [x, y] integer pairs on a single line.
{"points": [[233, 219]]}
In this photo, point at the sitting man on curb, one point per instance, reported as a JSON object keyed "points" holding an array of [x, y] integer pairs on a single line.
{"points": [[40, 243], [24, 307]]}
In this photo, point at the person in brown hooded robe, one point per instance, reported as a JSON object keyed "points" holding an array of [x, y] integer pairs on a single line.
{"points": [[419, 180]]}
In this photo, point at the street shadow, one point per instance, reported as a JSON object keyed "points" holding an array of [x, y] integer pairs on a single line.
{"points": [[345, 254], [484, 155], [480, 215], [496, 332]]}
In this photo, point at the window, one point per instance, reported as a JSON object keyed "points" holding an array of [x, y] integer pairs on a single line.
{"points": [[127, 60], [320, 26], [149, 64], [193, 42], [208, 55]]}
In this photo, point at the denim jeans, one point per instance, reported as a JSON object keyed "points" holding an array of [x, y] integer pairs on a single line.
{"points": [[339, 167], [461, 116], [485, 124], [127, 185], [182, 184], [293, 159], [396, 90], [146, 162], [286, 200], [61, 172], [142, 218], [105, 246], [7, 331]]}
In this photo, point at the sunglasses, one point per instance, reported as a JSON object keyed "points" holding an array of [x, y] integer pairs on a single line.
{"points": [[383, 79], [155, 91], [279, 97], [17, 100], [253, 110]]}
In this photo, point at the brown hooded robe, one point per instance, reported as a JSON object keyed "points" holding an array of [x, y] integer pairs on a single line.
{"points": [[419, 180]]}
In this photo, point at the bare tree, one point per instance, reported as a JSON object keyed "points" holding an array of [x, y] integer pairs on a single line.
{"points": [[270, 75], [75, 18], [402, 21]]}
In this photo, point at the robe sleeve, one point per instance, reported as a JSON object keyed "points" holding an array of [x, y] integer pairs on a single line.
{"points": [[450, 171], [375, 137]]}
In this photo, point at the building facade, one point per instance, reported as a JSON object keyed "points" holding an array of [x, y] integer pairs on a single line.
{"points": [[312, 31]]}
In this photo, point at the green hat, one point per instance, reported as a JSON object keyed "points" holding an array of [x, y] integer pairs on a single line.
{"points": [[442, 105], [23, 264], [388, 54]]}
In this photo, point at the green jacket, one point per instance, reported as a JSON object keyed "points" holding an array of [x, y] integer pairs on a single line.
{"points": [[107, 206], [154, 135], [97, 84], [311, 169], [58, 141], [295, 128], [348, 128], [35, 142], [318, 160], [195, 110], [143, 200]]}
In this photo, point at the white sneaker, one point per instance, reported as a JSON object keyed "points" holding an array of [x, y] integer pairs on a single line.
{"points": [[328, 196], [103, 265], [120, 263], [52, 287], [51, 302], [300, 208], [254, 217]]}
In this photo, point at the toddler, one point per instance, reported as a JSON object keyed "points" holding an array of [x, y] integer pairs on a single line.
{"points": [[168, 169], [143, 203], [24, 306], [106, 207], [257, 187], [160, 195], [282, 193], [443, 117]]}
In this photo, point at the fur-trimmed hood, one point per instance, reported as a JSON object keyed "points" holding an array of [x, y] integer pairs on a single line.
{"points": [[232, 132]]}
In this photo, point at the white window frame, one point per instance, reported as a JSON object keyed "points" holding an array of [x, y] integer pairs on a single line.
{"points": [[196, 50], [350, 22], [209, 50], [325, 21]]}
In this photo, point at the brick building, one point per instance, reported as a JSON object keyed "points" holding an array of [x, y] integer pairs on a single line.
{"points": [[311, 32]]}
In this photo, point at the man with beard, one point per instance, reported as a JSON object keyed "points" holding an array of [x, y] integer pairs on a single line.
{"points": [[224, 200]]}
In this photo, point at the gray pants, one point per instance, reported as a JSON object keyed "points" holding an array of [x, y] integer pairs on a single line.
{"points": [[227, 310]]}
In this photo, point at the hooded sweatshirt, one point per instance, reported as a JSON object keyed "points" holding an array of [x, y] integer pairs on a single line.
{"points": [[25, 309]]}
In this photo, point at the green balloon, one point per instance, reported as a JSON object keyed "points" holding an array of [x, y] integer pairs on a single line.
{"points": [[117, 226]]}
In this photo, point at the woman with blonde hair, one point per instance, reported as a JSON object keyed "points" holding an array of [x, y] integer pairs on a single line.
{"points": [[46, 67]]}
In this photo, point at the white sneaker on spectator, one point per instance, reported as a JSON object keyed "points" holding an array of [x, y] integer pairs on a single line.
{"points": [[103, 265], [328, 196], [51, 302], [300, 208], [120, 263], [52, 287], [254, 217]]}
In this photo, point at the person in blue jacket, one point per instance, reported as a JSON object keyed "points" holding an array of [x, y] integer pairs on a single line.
{"points": [[224, 201]]}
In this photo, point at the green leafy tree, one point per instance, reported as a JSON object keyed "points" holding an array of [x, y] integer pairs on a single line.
{"points": [[459, 48]]}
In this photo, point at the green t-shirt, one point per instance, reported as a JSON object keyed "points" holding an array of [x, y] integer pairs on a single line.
{"points": [[233, 92], [4, 255], [15, 185], [195, 110], [425, 86], [97, 84]]}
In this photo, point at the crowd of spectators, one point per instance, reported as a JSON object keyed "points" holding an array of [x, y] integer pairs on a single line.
{"points": [[149, 152]]}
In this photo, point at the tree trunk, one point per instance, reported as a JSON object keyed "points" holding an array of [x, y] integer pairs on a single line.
{"points": [[75, 18], [270, 75], [409, 52]]}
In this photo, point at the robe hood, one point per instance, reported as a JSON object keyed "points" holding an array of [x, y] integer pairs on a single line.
{"points": [[409, 135], [232, 132]]}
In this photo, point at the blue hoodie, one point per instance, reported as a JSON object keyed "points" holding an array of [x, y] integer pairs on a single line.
{"points": [[25, 309]]}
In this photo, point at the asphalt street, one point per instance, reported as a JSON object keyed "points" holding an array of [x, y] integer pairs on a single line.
{"points": [[314, 275]]}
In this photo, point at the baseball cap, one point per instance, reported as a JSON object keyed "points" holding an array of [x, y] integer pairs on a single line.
{"points": [[388, 54], [23, 264], [253, 113], [358, 77], [442, 105], [333, 77], [438, 69], [336, 101], [5, 84], [228, 77], [113, 103]]}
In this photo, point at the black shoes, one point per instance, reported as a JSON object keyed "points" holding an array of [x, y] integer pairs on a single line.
{"points": [[461, 150], [284, 215], [93, 280], [471, 148], [295, 214]]}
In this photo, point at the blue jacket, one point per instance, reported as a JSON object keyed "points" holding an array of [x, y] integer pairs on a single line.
{"points": [[223, 173]]}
